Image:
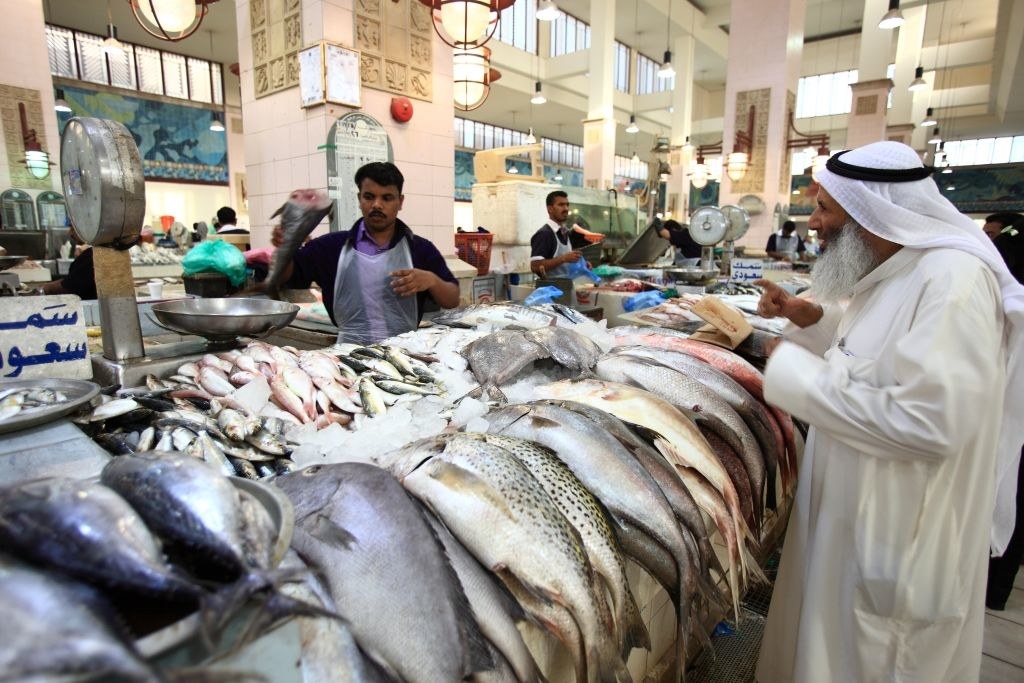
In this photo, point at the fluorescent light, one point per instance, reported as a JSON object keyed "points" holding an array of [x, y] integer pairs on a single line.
{"points": [[632, 127]]}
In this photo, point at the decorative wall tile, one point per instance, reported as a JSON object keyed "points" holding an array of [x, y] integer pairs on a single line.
{"points": [[276, 27], [753, 179], [395, 41], [10, 96]]}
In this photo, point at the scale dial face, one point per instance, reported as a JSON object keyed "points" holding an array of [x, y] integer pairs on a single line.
{"points": [[739, 222], [104, 189], [708, 226]]}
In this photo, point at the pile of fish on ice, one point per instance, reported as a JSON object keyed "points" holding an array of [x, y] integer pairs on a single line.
{"points": [[542, 450], [89, 566]]}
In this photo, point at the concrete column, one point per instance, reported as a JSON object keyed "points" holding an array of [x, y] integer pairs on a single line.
{"points": [[867, 117], [282, 138], [900, 133], [909, 107], [875, 43], [600, 126], [678, 186], [765, 47]]}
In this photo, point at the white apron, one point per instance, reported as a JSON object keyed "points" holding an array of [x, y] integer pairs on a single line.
{"points": [[365, 307], [787, 245], [884, 565], [560, 250]]}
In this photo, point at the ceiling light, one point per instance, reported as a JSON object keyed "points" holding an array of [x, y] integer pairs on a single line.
{"points": [[666, 70], [216, 125], [538, 96], [632, 127], [463, 24], [111, 45], [171, 20], [547, 11], [947, 170], [918, 83], [929, 119], [635, 158], [472, 76], [558, 176], [531, 139], [736, 166], [60, 104], [893, 18], [935, 139], [513, 169]]}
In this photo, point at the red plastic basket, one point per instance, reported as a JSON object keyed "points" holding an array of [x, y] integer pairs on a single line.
{"points": [[475, 249]]}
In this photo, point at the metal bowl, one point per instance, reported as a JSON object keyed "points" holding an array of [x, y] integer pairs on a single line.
{"points": [[690, 274], [224, 319], [11, 261]]}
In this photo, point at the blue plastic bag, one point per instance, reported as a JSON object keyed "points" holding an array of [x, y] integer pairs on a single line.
{"points": [[580, 269], [643, 300], [216, 256], [543, 295]]}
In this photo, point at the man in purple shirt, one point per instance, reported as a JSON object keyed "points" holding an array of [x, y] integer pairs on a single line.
{"points": [[375, 276]]}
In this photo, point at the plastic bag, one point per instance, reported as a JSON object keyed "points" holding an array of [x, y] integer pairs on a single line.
{"points": [[216, 256], [580, 269], [543, 295], [642, 300], [604, 270]]}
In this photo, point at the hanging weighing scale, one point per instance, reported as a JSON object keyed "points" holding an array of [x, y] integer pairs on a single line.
{"points": [[708, 227], [739, 223], [104, 188]]}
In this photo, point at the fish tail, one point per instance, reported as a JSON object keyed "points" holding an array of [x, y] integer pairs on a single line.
{"points": [[634, 631]]}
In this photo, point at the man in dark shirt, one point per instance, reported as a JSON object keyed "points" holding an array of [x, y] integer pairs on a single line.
{"points": [[786, 243], [80, 280], [551, 252], [680, 238], [376, 276]]}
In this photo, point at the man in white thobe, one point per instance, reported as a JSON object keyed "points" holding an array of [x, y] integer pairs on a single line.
{"points": [[907, 367]]}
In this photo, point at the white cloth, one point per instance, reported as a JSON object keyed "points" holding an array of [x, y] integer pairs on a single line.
{"points": [[916, 215], [561, 249], [365, 307], [884, 566]]}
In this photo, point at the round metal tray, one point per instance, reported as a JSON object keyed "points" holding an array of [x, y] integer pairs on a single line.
{"points": [[222, 320], [79, 393], [11, 261]]}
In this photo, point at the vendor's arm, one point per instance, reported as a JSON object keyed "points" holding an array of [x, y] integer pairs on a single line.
{"points": [[541, 266], [542, 252], [54, 287]]}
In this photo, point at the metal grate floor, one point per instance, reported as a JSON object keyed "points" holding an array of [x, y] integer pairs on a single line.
{"points": [[735, 647]]}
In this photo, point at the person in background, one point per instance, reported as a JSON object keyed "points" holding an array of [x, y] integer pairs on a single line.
{"points": [[81, 277], [550, 249], [998, 222], [785, 245], [907, 365], [687, 250], [375, 276], [226, 222]]}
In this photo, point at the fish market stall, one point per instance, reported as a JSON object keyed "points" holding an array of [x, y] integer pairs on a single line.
{"points": [[492, 409]]}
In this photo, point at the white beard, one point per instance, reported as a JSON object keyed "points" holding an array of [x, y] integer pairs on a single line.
{"points": [[847, 258]]}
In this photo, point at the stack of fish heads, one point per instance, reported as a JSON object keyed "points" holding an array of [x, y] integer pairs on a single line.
{"points": [[55, 628], [354, 519]]}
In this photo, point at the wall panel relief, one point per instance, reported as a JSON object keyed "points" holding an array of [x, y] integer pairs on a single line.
{"points": [[276, 27], [753, 179], [785, 172], [395, 41]]}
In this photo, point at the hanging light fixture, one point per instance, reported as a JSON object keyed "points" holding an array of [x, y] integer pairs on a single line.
{"points": [[893, 18], [111, 45], [60, 104], [464, 24], [558, 176], [531, 139], [635, 158], [815, 143], [632, 127], [538, 96], [936, 138], [171, 20], [666, 70], [918, 83], [929, 119], [216, 125], [472, 76], [547, 11], [36, 159], [512, 168]]}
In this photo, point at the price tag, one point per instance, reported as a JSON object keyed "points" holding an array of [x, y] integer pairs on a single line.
{"points": [[747, 269]]}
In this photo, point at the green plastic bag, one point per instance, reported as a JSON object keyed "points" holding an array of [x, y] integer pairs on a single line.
{"points": [[216, 256]]}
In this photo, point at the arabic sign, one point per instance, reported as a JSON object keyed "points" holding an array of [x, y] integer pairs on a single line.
{"points": [[746, 269], [43, 336], [353, 140]]}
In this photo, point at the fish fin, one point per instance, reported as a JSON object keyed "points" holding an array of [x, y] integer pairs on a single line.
{"points": [[609, 666], [326, 530], [458, 478]]}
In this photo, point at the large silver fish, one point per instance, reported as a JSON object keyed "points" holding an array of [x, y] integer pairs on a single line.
{"points": [[567, 347], [386, 571], [498, 357], [299, 216], [54, 629], [87, 531], [514, 316], [502, 514]]}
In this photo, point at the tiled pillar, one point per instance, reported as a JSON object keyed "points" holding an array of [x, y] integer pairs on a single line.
{"points": [[678, 185], [765, 47], [282, 138], [867, 116], [600, 127]]}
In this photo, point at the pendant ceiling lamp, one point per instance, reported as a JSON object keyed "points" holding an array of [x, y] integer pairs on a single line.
{"points": [[547, 11], [929, 119], [918, 83], [171, 20], [472, 76], [464, 24], [893, 18]]}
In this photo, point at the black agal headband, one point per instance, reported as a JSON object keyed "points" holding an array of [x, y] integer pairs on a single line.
{"points": [[878, 175]]}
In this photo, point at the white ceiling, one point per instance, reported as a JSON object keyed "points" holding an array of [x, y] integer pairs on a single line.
{"points": [[638, 21]]}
